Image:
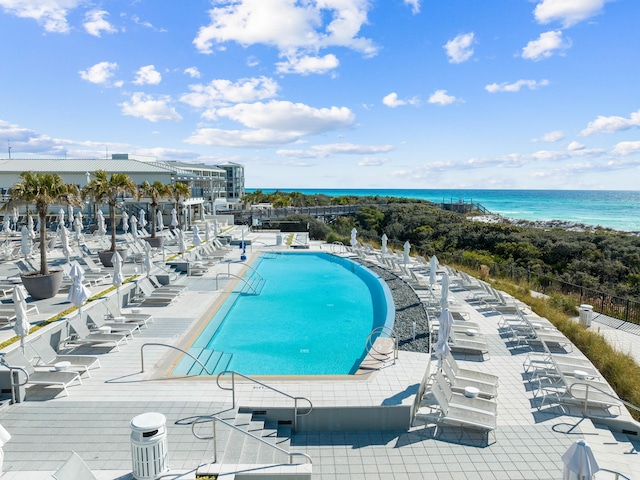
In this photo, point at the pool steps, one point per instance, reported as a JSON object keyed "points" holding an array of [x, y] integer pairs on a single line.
{"points": [[245, 457], [215, 361]]}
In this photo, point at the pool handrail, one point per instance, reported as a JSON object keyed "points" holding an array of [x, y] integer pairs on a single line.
{"points": [[214, 419], [378, 332], [255, 292], [270, 247], [168, 346], [296, 414]]}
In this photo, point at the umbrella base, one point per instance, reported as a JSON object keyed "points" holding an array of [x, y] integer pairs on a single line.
{"points": [[105, 256], [42, 286], [155, 242]]}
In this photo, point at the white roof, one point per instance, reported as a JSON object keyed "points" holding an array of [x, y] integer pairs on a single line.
{"points": [[77, 165]]}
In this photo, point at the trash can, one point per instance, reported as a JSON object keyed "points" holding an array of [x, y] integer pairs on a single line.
{"points": [[278, 239], [586, 313], [149, 453]]}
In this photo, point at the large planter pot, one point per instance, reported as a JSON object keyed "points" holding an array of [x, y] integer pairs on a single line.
{"points": [[155, 242], [42, 286], [105, 256]]}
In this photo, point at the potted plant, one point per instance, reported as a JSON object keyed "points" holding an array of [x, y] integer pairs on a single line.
{"points": [[178, 192], [155, 191], [43, 190], [107, 189]]}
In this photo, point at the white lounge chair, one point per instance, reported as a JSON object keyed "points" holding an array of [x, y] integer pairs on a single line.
{"points": [[460, 384], [445, 414], [461, 400], [15, 358], [110, 312], [46, 356], [84, 336], [471, 374]]}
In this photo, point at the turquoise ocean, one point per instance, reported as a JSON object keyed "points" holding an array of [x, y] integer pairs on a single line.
{"points": [[619, 210]]}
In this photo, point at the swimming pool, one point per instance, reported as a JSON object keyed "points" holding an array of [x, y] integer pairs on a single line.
{"points": [[312, 316]]}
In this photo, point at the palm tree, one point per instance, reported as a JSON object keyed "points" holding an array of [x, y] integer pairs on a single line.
{"points": [[43, 190], [105, 189], [155, 191], [178, 192]]}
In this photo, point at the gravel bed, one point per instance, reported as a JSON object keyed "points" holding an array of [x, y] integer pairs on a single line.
{"points": [[408, 310]]}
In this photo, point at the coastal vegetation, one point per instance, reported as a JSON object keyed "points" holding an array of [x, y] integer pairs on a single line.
{"points": [[601, 260]]}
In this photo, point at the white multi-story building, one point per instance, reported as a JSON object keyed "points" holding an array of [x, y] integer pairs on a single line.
{"points": [[212, 186]]}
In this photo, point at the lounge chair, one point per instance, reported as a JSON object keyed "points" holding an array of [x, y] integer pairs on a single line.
{"points": [[460, 384], [84, 336], [475, 375], [113, 314], [172, 287], [46, 356], [98, 320], [16, 358], [443, 413], [564, 390], [461, 400], [150, 297]]}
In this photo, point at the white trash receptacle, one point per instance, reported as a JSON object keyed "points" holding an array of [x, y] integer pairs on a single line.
{"points": [[586, 313], [149, 455]]}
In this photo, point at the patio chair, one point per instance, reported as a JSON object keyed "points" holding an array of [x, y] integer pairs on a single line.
{"points": [[16, 358], [46, 356], [84, 336]]}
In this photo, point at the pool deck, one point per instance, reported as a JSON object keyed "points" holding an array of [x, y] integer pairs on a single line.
{"points": [[94, 419]]}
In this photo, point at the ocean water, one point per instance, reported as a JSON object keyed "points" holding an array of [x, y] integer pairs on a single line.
{"points": [[615, 209]]}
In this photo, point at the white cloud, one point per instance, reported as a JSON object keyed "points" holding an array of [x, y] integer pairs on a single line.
{"points": [[308, 64], [611, 124], [100, 73], [147, 75], [95, 23], [193, 72], [295, 28], [569, 12], [241, 138], [372, 162], [626, 148], [546, 44], [150, 108], [440, 97], [414, 4], [574, 146], [273, 123], [323, 151], [392, 101], [554, 136], [51, 14], [516, 86], [222, 92], [282, 115], [460, 49]]}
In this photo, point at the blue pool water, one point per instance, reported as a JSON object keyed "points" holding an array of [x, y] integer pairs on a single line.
{"points": [[312, 316]]}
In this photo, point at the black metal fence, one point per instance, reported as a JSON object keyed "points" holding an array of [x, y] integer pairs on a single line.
{"points": [[614, 306]]}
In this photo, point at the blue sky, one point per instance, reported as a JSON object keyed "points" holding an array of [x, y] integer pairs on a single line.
{"points": [[530, 94]]}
